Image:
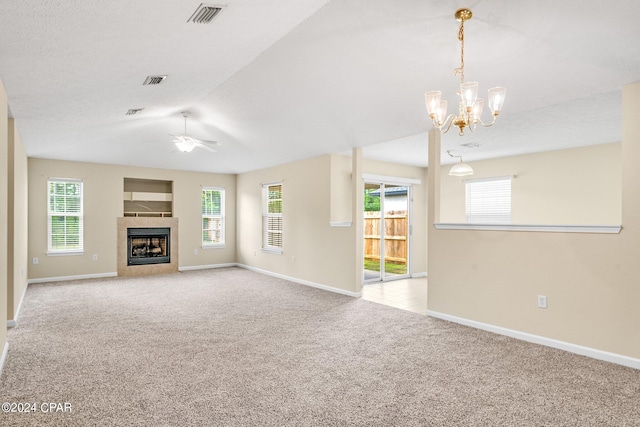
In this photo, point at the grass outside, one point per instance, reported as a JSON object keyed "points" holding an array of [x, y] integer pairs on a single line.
{"points": [[389, 267]]}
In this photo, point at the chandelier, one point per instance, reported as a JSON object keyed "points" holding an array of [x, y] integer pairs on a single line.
{"points": [[470, 106]]}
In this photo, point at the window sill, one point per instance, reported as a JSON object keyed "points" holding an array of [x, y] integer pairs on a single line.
{"points": [[275, 251], [214, 246], [546, 228], [65, 253]]}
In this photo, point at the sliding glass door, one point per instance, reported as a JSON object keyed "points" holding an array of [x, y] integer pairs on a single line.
{"points": [[387, 231]]}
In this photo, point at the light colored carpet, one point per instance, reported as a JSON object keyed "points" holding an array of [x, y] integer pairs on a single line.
{"points": [[230, 347]]}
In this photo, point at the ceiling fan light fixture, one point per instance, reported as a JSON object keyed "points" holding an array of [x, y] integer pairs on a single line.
{"points": [[184, 145], [184, 142]]}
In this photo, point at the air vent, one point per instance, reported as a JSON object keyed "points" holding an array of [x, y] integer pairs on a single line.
{"points": [[133, 111], [204, 14], [470, 145], [154, 80]]}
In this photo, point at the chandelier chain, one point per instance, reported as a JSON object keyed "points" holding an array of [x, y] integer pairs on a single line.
{"points": [[461, 38]]}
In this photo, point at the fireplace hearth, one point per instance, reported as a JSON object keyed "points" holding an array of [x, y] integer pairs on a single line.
{"points": [[148, 245]]}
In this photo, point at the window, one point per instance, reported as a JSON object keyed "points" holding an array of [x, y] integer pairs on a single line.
{"points": [[212, 216], [65, 216], [488, 201], [272, 218]]}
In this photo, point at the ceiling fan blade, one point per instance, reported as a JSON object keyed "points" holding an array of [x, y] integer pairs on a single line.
{"points": [[206, 147], [214, 143]]}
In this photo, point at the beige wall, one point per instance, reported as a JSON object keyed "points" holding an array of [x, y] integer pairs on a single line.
{"points": [[590, 280], [316, 192], [103, 203], [341, 189], [312, 250], [4, 221], [578, 186], [18, 221]]}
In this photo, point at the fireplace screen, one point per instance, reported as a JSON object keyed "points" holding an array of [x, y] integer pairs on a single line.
{"points": [[148, 246]]}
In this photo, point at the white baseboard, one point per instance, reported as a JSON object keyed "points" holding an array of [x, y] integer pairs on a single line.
{"points": [[537, 339], [207, 266], [78, 277], [302, 282], [15, 317], [3, 358], [421, 274], [340, 223]]}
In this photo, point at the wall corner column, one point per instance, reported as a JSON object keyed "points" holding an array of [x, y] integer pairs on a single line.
{"points": [[433, 193], [357, 208], [433, 177], [4, 220]]}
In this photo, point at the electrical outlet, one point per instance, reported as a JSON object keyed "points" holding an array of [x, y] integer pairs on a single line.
{"points": [[195, 252], [34, 260], [542, 301], [293, 259], [95, 257]]}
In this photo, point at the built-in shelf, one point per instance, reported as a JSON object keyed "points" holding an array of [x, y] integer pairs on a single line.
{"points": [[148, 214], [148, 198], [138, 196]]}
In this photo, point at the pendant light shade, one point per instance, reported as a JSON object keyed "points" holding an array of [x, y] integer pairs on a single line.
{"points": [[461, 169]]}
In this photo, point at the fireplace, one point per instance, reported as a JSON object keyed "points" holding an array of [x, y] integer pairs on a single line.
{"points": [[148, 245]]}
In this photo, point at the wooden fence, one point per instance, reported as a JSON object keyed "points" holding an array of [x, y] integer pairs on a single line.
{"points": [[395, 232]]}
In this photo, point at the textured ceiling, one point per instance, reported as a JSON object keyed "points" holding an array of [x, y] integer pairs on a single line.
{"points": [[276, 81]]}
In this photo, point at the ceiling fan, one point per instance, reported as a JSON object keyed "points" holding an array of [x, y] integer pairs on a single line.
{"points": [[186, 143]]}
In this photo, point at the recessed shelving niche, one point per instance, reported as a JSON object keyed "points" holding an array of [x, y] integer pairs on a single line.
{"points": [[148, 198]]}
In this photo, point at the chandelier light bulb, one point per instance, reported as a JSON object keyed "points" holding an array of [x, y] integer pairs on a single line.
{"points": [[469, 94], [433, 102], [441, 112], [496, 99], [477, 110]]}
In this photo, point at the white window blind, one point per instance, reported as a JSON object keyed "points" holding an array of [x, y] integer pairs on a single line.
{"points": [[488, 201], [212, 216], [65, 216], [272, 217]]}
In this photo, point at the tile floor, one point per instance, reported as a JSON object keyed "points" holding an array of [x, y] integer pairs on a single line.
{"points": [[406, 294]]}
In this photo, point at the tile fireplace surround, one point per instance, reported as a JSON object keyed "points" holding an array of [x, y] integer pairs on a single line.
{"points": [[146, 270]]}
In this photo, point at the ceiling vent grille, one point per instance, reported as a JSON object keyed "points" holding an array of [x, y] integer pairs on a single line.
{"points": [[154, 80], [133, 111], [470, 145], [204, 14]]}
